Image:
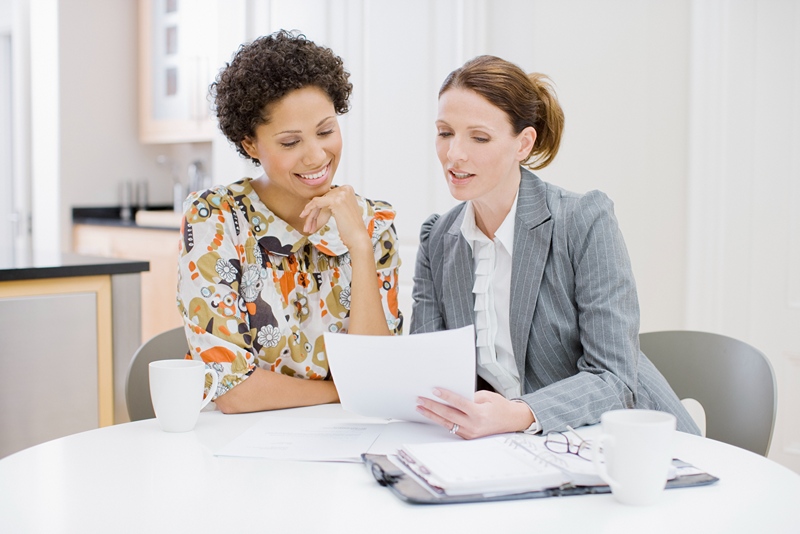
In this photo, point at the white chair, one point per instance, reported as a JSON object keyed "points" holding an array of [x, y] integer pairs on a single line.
{"points": [[697, 412], [732, 380], [164, 346]]}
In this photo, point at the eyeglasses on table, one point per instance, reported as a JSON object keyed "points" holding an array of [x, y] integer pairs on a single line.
{"points": [[560, 443]]}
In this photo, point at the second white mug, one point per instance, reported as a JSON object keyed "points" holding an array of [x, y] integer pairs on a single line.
{"points": [[637, 448]]}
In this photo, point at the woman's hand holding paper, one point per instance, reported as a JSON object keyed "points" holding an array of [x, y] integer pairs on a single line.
{"points": [[489, 413]]}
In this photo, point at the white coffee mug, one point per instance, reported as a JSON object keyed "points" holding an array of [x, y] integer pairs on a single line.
{"points": [[176, 389], [637, 446]]}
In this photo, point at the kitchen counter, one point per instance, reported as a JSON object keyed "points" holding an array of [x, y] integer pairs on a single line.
{"points": [[154, 239], [76, 319], [66, 265], [154, 217]]}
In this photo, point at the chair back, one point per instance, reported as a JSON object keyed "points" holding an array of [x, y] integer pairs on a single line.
{"points": [[164, 346], [732, 380]]}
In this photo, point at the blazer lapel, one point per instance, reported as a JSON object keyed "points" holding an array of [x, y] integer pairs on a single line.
{"points": [[533, 230], [458, 277]]}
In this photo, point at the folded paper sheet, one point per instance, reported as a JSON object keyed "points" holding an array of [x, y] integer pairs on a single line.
{"points": [[382, 376], [310, 439]]}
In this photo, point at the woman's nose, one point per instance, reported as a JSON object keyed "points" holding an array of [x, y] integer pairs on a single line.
{"points": [[456, 152], [314, 154]]}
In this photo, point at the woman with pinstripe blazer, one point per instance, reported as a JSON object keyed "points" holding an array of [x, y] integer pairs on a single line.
{"points": [[541, 272]]}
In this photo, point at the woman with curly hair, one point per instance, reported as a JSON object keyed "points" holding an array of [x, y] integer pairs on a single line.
{"points": [[269, 264]]}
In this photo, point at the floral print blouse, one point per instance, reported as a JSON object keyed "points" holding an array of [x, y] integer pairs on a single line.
{"points": [[253, 291]]}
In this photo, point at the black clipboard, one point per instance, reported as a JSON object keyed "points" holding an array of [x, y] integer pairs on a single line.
{"points": [[409, 489]]}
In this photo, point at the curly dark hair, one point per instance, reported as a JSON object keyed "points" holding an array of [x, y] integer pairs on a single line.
{"points": [[263, 72]]}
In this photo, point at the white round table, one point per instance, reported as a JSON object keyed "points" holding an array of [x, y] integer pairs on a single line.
{"points": [[135, 478]]}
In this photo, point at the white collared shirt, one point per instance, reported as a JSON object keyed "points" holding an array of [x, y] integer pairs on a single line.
{"points": [[492, 263], [492, 290]]}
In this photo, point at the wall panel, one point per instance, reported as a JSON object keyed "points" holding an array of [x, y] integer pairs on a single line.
{"points": [[743, 179]]}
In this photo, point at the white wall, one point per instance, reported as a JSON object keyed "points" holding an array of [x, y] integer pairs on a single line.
{"points": [[99, 105], [19, 190], [47, 212], [5, 16], [621, 70], [744, 185], [84, 113], [6, 150]]}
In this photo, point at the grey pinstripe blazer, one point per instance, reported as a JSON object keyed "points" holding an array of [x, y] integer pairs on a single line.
{"points": [[574, 309]]}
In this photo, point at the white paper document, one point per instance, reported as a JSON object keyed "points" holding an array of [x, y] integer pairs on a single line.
{"points": [[322, 440], [382, 376], [494, 464]]}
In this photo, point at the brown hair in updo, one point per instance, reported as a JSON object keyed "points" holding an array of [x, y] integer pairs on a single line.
{"points": [[527, 100]]}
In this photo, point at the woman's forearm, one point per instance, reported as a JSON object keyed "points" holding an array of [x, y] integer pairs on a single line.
{"points": [[366, 307], [266, 390]]}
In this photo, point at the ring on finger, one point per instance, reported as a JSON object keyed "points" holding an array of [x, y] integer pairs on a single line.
{"points": [[454, 429]]}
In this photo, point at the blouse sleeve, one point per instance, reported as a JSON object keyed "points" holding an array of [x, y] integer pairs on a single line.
{"points": [[387, 261], [215, 316]]}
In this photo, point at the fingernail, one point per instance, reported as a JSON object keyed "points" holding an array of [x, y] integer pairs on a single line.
{"points": [[419, 409], [437, 392]]}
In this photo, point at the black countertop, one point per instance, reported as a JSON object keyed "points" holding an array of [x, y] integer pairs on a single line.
{"points": [[40, 266], [102, 216], [112, 216]]}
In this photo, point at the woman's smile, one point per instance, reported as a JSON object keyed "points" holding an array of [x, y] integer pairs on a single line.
{"points": [[299, 149], [316, 178]]}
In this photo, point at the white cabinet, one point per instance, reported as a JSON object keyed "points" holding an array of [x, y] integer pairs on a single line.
{"points": [[69, 327], [59, 394], [177, 62]]}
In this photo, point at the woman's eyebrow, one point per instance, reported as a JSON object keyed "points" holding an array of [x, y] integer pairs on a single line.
{"points": [[471, 127], [320, 123]]}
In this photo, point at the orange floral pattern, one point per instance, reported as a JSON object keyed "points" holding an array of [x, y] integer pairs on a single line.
{"points": [[253, 291]]}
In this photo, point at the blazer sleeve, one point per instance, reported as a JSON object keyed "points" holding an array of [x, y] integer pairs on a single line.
{"points": [[607, 311], [425, 312]]}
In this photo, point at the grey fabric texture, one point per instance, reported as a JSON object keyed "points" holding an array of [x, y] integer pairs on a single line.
{"points": [[574, 313]]}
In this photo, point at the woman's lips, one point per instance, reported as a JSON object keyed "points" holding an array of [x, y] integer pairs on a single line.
{"points": [[457, 175], [315, 178]]}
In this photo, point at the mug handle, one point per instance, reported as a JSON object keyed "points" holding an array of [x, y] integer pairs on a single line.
{"points": [[604, 442], [212, 389]]}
